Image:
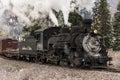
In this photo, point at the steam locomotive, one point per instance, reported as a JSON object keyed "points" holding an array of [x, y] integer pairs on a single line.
{"points": [[74, 46]]}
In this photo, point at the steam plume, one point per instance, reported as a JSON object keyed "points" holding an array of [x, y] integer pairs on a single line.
{"points": [[14, 14]]}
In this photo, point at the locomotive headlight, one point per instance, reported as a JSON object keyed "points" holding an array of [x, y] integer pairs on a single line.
{"points": [[95, 31]]}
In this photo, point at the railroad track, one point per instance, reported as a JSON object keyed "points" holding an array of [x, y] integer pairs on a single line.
{"points": [[112, 69], [105, 69], [95, 68]]}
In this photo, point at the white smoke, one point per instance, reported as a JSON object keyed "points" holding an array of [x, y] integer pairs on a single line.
{"points": [[33, 9], [28, 11], [88, 4]]}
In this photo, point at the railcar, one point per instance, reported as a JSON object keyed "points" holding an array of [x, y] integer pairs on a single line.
{"points": [[9, 48]]}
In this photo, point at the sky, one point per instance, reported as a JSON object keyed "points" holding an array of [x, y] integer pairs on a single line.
{"points": [[113, 3], [113, 6]]}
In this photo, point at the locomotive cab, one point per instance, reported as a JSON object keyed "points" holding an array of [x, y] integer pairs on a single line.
{"points": [[43, 35]]}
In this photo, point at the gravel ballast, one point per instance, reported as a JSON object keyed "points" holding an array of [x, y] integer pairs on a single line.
{"points": [[19, 70]]}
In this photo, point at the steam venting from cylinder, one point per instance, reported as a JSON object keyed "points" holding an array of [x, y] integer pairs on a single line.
{"points": [[14, 14]]}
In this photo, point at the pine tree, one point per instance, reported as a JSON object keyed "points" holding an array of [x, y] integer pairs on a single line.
{"points": [[59, 16], [104, 18], [118, 7], [116, 27], [75, 18], [95, 15]]}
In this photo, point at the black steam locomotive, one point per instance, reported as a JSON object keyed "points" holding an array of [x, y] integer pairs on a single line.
{"points": [[73, 46]]}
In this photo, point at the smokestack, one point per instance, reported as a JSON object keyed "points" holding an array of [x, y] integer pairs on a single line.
{"points": [[87, 24]]}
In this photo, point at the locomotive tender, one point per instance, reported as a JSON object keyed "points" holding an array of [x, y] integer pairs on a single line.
{"points": [[74, 46]]}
